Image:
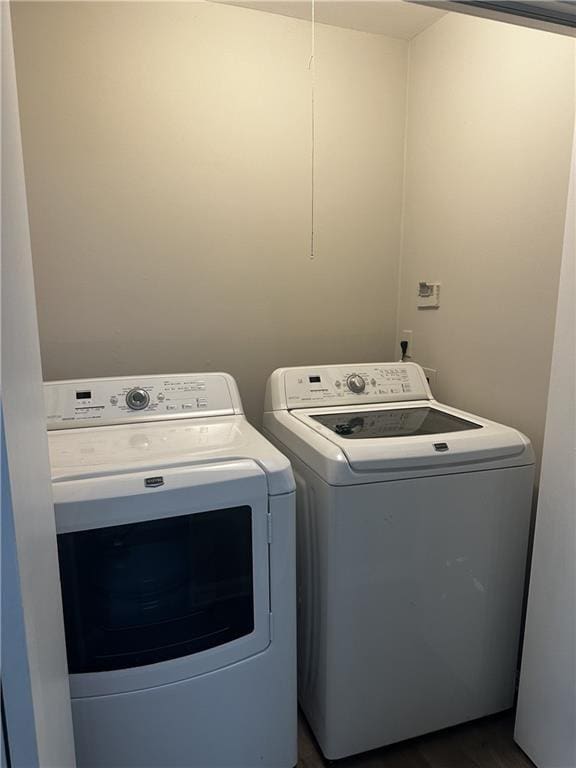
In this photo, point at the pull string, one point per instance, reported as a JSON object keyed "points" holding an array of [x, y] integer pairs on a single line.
{"points": [[312, 68]]}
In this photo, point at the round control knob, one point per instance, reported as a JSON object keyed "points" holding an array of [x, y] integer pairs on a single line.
{"points": [[137, 399], [356, 383]]}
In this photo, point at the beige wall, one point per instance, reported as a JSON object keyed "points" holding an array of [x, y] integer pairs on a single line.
{"points": [[490, 120], [167, 150]]}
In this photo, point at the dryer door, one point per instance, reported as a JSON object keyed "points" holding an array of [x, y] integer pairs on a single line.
{"points": [[163, 577]]}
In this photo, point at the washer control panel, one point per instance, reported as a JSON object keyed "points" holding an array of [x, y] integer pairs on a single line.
{"points": [[96, 402], [352, 384]]}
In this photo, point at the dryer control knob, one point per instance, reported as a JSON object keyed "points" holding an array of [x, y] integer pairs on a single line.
{"points": [[137, 399], [356, 384]]}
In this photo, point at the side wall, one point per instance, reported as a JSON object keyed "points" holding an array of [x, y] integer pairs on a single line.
{"points": [[490, 119], [35, 692], [168, 159], [546, 711]]}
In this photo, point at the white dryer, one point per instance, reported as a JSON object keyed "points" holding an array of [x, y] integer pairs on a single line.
{"points": [[175, 526], [412, 533]]}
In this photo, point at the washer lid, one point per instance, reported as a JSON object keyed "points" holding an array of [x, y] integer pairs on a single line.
{"points": [[393, 422], [100, 451], [414, 436]]}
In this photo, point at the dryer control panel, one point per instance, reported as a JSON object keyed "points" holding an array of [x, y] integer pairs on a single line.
{"points": [[333, 385], [95, 402]]}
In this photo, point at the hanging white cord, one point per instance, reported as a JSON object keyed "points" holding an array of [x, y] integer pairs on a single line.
{"points": [[312, 68]]}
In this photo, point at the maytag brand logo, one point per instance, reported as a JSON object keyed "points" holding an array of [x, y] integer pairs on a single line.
{"points": [[153, 482]]}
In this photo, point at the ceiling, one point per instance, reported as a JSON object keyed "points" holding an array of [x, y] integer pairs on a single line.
{"points": [[394, 18]]}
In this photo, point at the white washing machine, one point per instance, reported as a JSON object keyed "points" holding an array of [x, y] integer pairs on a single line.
{"points": [[412, 533], [176, 540]]}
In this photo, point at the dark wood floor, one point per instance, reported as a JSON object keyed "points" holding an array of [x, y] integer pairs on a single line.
{"points": [[486, 743]]}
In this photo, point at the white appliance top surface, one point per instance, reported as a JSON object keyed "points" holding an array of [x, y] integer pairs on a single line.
{"points": [[486, 444], [100, 451], [93, 431], [382, 431]]}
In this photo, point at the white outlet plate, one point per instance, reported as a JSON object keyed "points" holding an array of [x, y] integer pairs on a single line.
{"points": [[428, 295]]}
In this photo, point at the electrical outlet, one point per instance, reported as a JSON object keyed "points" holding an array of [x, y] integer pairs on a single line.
{"points": [[431, 376], [407, 336]]}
